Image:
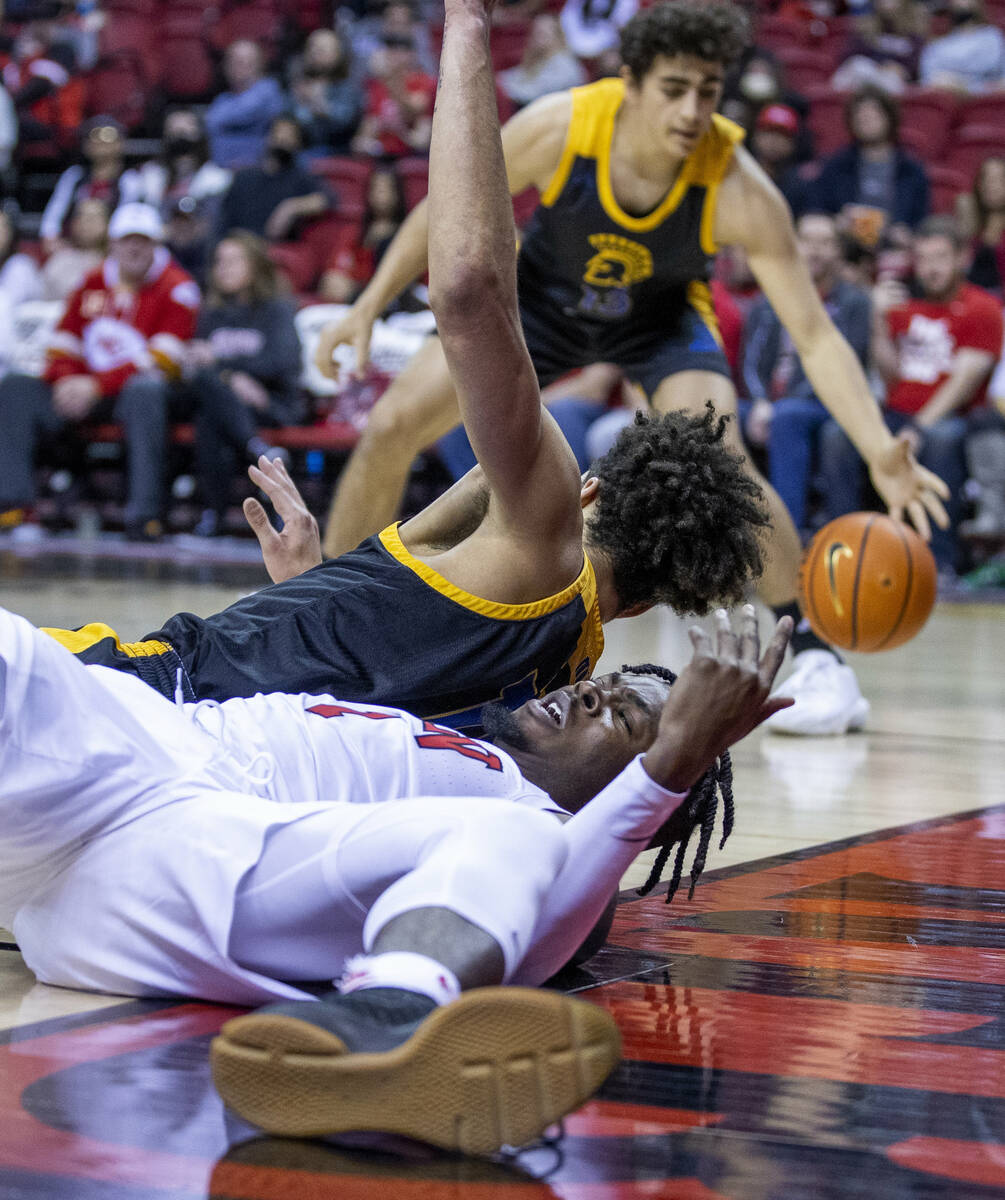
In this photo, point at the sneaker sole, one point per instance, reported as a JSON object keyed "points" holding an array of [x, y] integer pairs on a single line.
{"points": [[496, 1067]]}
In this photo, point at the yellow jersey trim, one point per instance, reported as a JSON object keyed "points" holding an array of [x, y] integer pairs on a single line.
{"points": [[78, 640], [585, 585], [699, 296]]}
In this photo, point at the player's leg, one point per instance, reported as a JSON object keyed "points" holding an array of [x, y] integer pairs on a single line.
{"points": [[690, 390], [443, 895], [417, 408]]}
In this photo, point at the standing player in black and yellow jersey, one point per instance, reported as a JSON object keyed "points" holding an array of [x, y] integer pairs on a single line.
{"points": [[498, 590], [640, 182]]}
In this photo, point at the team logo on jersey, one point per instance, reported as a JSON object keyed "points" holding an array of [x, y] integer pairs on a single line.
{"points": [[610, 273]]}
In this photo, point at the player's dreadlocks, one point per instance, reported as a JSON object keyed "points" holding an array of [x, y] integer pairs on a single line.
{"points": [[676, 514], [717, 32], [697, 811]]}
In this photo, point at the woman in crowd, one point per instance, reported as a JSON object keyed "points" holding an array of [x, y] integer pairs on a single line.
{"points": [[352, 265], [20, 278], [981, 212], [86, 241], [327, 92], [884, 49], [244, 366]]}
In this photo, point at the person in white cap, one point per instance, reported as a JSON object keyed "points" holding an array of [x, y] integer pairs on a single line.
{"points": [[113, 356]]}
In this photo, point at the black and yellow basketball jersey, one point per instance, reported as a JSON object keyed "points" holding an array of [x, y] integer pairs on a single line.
{"points": [[585, 258], [379, 625]]}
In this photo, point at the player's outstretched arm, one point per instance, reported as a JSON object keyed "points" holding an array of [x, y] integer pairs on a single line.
{"points": [[297, 546], [532, 146], [472, 284], [753, 214]]}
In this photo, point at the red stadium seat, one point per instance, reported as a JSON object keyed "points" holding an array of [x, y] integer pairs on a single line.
{"points": [[298, 263], [131, 32], [414, 176], [118, 86], [982, 110], [806, 67], [946, 183], [183, 22], [921, 145], [969, 147], [349, 177], [258, 21], [826, 120], [930, 112], [320, 238], [507, 43], [186, 68]]}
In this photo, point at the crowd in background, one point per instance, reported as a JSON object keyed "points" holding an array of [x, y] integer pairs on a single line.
{"points": [[278, 176]]}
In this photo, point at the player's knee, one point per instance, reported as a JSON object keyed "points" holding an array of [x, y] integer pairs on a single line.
{"points": [[389, 432]]}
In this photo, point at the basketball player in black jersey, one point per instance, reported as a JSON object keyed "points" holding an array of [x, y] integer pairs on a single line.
{"points": [[640, 181]]}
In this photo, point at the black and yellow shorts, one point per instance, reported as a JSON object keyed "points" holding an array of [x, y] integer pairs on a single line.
{"points": [[156, 663]]}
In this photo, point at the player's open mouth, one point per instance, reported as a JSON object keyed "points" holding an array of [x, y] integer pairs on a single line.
{"points": [[550, 710]]}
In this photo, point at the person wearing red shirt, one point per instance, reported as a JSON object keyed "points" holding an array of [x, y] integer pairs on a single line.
{"points": [[936, 352], [399, 106], [114, 354]]}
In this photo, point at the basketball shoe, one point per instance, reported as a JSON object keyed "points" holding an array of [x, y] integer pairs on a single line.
{"points": [[827, 698], [495, 1067]]}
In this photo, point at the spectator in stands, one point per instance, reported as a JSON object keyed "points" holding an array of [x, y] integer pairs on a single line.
{"points": [[757, 80], [884, 49], [971, 57], [784, 414], [353, 263], [327, 94], [238, 120], [115, 353], [935, 353], [187, 187], [773, 144], [243, 369], [103, 176], [81, 253], [981, 213], [547, 65], [593, 27], [396, 19], [20, 278], [272, 199], [399, 103], [872, 184], [48, 97]]}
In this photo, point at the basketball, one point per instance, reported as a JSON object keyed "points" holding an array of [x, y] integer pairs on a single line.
{"points": [[867, 582]]}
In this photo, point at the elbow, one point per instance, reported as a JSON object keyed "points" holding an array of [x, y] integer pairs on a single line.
{"points": [[463, 293]]}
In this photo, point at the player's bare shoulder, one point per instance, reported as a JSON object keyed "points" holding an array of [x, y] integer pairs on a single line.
{"points": [[533, 141], [750, 210]]}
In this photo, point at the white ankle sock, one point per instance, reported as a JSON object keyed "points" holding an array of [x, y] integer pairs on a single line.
{"points": [[400, 969]]}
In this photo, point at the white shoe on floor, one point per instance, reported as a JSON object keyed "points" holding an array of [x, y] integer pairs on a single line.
{"points": [[827, 698]]}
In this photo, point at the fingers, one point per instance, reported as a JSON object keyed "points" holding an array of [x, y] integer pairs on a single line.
{"points": [[936, 508], [750, 641], [701, 642], [726, 647], [932, 482], [258, 519], [775, 653], [361, 344], [919, 519]]}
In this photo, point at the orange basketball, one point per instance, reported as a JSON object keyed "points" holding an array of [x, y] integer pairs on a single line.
{"points": [[867, 582]]}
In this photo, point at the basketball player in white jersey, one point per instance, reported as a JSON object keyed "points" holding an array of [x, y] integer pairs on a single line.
{"points": [[234, 851]]}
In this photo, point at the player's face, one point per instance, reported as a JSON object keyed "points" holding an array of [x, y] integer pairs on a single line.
{"points": [[576, 739], [676, 100]]}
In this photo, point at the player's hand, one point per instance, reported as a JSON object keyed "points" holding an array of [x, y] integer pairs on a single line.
{"points": [[297, 547], [719, 697], [355, 330], [909, 490]]}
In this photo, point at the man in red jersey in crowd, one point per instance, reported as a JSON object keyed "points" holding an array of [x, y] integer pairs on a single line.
{"points": [[935, 351], [113, 355]]}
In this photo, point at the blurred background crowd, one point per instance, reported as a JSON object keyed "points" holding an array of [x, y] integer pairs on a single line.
{"points": [[232, 165]]}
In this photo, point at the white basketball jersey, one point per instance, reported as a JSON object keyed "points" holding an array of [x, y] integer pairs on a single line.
{"points": [[305, 748]]}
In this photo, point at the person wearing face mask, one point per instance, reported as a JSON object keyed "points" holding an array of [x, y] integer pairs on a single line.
{"points": [[327, 92], [971, 57], [757, 81], [274, 197]]}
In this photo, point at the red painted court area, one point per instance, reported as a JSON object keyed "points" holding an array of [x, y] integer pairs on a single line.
{"points": [[824, 1024]]}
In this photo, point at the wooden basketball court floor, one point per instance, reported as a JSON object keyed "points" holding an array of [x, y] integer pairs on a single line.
{"points": [[826, 1018]]}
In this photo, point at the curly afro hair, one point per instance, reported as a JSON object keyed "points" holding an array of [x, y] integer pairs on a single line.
{"points": [[676, 515], [717, 32]]}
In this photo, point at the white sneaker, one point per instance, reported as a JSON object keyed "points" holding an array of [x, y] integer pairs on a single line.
{"points": [[826, 694]]}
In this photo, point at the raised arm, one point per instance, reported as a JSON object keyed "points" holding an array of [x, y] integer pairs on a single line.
{"points": [[527, 463], [753, 214]]}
